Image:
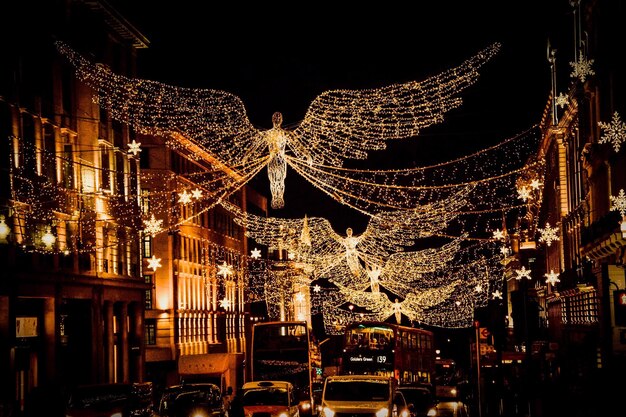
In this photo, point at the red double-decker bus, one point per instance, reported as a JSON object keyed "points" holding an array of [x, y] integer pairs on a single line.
{"points": [[379, 348]]}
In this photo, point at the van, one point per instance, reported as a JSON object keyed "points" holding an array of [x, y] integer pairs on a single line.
{"points": [[366, 395], [269, 399]]}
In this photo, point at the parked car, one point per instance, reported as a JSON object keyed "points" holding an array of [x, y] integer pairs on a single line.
{"points": [[192, 400], [421, 401], [110, 400], [363, 395], [269, 399]]}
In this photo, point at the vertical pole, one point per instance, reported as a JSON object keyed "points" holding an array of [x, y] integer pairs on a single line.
{"points": [[478, 390]]}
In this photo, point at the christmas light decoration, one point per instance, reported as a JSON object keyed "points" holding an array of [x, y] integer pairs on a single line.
{"points": [[224, 270], [552, 277], [614, 132], [618, 203], [562, 100], [339, 124], [496, 294], [152, 226], [255, 253], [498, 234], [184, 197], [548, 234], [134, 147], [154, 263], [225, 303], [581, 69], [522, 273]]}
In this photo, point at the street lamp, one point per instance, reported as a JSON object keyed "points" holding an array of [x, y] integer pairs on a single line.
{"points": [[4, 229]]}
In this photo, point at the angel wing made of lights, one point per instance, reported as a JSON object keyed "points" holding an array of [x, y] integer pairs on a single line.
{"points": [[338, 125], [411, 306]]}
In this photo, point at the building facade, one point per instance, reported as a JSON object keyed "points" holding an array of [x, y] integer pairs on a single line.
{"points": [[71, 291], [197, 319], [574, 332]]}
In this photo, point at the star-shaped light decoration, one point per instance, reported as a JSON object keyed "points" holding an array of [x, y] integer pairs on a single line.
{"points": [[562, 100], [549, 234], [504, 250], [498, 234], [582, 68], [522, 273], [317, 288], [134, 147], [619, 203], [552, 277], [300, 297], [496, 294], [457, 302], [152, 226], [535, 184], [255, 253], [225, 303], [184, 197], [291, 255], [154, 263], [523, 193], [614, 132], [197, 193], [478, 288], [224, 270]]}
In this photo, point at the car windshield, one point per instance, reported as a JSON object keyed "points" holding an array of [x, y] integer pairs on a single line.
{"points": [[353, 390], [266, 396], [99, 396], [181, 398], [417, 397]]}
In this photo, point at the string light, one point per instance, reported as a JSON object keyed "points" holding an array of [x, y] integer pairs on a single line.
{"points": [[338, 125]]}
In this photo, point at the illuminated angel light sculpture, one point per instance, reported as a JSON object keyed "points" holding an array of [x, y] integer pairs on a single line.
{"points": [[411, 306], [338, 125]]}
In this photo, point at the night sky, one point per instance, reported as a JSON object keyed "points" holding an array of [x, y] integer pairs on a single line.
{"points": [[280, 59]]}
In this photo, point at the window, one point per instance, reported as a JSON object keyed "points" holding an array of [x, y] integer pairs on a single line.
{"points": [[48, 159], [150, 332], [147, 246], [148, 297], [68, 167], [105, 167]]}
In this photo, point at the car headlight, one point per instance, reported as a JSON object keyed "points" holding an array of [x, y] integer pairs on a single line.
{"points": [[328, 412], [383, 412], [432, 412], [283, 414], [305, 405]]}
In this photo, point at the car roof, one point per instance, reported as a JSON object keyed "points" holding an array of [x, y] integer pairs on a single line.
{"points": [[377, 378], [267, 384]]}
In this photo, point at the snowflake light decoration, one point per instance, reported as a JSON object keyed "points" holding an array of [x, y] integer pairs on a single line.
{"points": [[152, 226], [300, 297], [224, 269], [184, 197], [197, 193], [134, 147], [496, 294], [255, 253], [552, 277], [317, 288], [582, 68], [549, 234], [498, 234], [154, 263], [561, 100], [614, 132], [478, 288], [522, 273], [523, 193], [535, 184], [619, 203], [504, 250], [225, 303]]}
